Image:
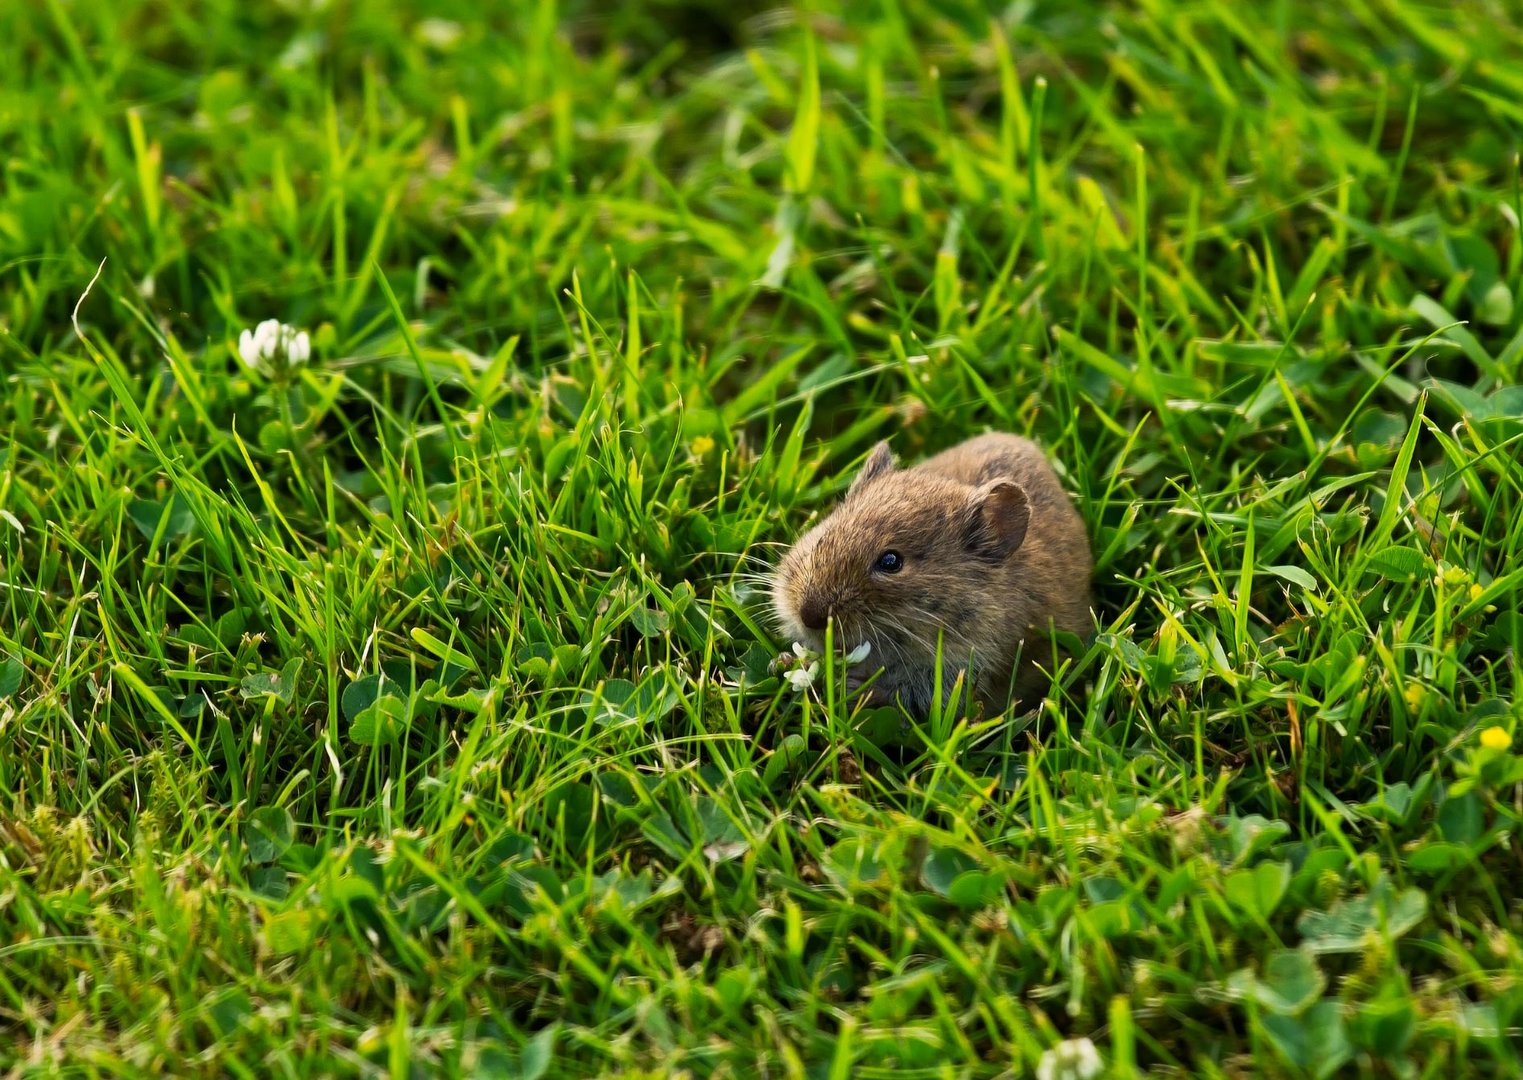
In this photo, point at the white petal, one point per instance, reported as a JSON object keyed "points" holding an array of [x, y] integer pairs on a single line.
{"points": [[799, 650], [1071, 1059], [262, 341], [860, 653], [800, 679], [247, 352], [301, 349]]}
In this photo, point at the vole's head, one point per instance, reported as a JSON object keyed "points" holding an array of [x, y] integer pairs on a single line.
{"points": [[906, 554]]}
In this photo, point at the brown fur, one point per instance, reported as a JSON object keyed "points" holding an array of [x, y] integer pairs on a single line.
{"points": [[994, 556]]}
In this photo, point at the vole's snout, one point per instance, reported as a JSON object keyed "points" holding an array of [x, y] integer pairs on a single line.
{"points": [[814, 612]]}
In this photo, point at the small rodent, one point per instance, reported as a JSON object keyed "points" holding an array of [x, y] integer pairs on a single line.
{"points": [[978, 544]]}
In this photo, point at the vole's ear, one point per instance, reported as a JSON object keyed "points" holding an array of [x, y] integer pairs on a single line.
{"points": [[997, 525], [879, 462]]}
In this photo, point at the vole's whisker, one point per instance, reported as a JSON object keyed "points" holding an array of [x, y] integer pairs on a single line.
{"points": [[950, 634], [913, 635]]}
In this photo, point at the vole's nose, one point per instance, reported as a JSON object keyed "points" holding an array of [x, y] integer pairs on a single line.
{"points": [[814, 612]]}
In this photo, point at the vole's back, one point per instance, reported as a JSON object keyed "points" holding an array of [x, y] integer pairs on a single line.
{"points": [[1048, 576]]}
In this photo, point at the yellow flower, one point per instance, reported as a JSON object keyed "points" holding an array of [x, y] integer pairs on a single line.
{"points": [[1496, 738], [1414, 694], [702, 445], [1475, 592]]}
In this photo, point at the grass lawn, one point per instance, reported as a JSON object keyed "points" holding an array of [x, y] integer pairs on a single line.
{"points": [[413, 710]]}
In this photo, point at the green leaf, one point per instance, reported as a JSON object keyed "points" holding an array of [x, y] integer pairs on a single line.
{"points": [[229, 628], [508, 847], [362, 693], [1438, 856], [651, 622], [621, 700], [1495, 306], [1258, 891], [273, 437], [1378, 428], [1479, 1020], [534, 661], [1290, 981], [177, 516], [1508, 400], [1400, 563], [734, 988], [380, 724], [803, 139], [269, 882], [1386, 1025], [441, 650], [975, 889], [789, 753], [569, 811], [1462, 819], [268, 833], [1394, 804], [423, 908], [1293, 574], [538, 1054], [942, 867], [1453, 330], [1345, 927], [472, 700], [1396, 488], [227, 1010], [854, 865], [11, 672], [281, 684], [301, 858], [629, 891], [1288, 984], [722, 838], [614, 694], [1461, 399], [531, 888], [1252, 834], [290, 932], [1112, 919], [1315, 1040], [704, 826], [349, 892]]}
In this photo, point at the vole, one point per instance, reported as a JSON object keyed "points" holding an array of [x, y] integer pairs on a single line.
{"points": [[978, 545]]}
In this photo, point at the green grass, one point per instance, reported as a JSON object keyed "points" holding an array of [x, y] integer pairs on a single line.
{"points": [[415, 713]]}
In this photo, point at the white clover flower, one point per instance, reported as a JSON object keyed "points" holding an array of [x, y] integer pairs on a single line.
{"points": [[802, 675], [299, 351], [1071, 1059], [801, 678], [272, 341], [440, 33]]}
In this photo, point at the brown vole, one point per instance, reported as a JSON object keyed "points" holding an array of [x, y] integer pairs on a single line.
{"points": [[979, 545]]}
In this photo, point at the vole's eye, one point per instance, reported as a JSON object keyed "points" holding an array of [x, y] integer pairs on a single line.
{"points": [[890, 562]]}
